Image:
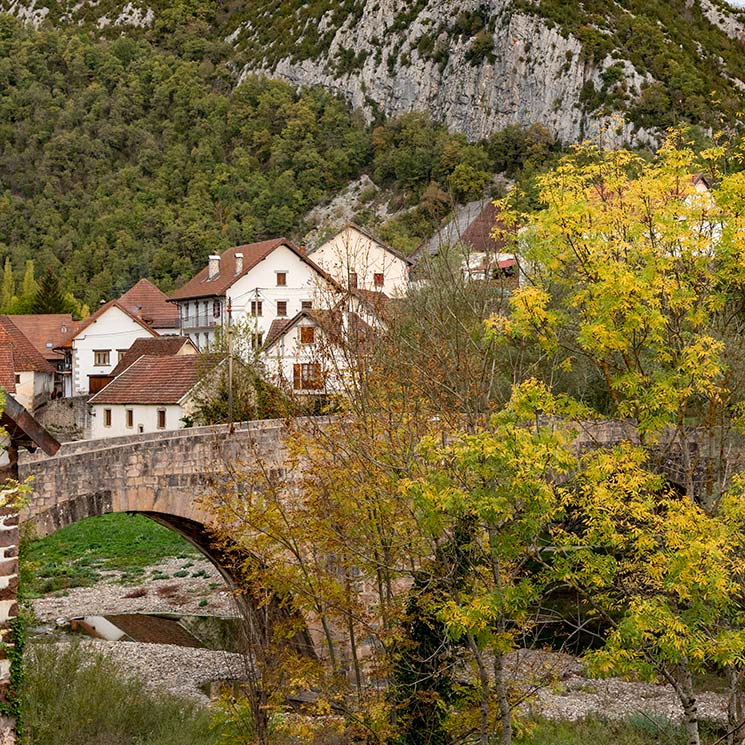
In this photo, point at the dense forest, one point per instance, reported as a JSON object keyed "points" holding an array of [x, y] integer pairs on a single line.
{"points": [[123, 158]]}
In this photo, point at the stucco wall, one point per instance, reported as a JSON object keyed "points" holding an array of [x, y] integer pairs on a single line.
{"points": [[144, 416], [353, 251], [113, 331]]}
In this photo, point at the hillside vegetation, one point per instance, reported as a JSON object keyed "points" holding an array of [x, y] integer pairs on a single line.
{"points": [[121, 159]]}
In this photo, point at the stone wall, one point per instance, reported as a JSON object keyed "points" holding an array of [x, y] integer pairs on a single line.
{"points": [[66, 419]]}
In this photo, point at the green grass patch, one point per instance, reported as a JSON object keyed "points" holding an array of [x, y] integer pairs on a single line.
{"points": [[75, 696], [77, 555]]}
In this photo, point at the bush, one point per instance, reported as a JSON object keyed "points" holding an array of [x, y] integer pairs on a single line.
{"points": [[75, 696]]}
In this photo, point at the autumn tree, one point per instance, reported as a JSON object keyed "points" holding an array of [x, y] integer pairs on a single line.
{"points": [[633, 273]]}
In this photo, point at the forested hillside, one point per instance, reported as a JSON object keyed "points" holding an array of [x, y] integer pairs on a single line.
{"points": [[122, 159]]}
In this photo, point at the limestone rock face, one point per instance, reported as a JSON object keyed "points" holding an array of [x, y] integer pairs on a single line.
{"points": [[393, 56], [533, 74]]}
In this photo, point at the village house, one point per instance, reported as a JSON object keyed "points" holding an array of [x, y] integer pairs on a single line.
{"points": [[25, 373], [47, 331], [316, 352], [260, 282], [471, 232], [358, 260], [94, 348], [155, 393]]}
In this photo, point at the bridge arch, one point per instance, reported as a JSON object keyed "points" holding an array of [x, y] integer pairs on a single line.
{"points": [[162, 475]]}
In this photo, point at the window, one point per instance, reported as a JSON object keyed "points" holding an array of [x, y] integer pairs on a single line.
{"points": [[18, 378], [306, 305], [101, 356], [307, 376], [130, 418], [161, 418], [281, 308], [307, 334], [185, 311], [120, 353], [107, 417], [378, 279], [257, 340], [216, 309], [256, 307], [352, 280], [281, 279]]}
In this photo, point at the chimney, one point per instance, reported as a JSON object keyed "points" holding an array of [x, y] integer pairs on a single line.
{"points": [[213, 267], [238, 263], [303, 249]]}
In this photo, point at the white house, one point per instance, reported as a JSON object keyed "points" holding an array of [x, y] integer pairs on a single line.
{"points": [[316, 352], [28, 376], [94, 348], [358, 260], [261, 282], [153, 394]]}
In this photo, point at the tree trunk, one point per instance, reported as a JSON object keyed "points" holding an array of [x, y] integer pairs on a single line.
{"points": [[690, 705], [735, 719], [484, 682], [504, 704]]}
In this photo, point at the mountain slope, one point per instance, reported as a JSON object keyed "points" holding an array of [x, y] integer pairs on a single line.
{"points": [[475, 65]]}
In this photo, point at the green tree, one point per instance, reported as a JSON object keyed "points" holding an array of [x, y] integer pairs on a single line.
{"points": [[49, 297], [7, 293]]}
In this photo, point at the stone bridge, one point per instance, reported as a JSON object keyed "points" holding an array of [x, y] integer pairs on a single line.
{"points": [[160, 475]]}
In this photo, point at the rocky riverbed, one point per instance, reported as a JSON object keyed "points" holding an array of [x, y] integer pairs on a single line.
{"points": [[562, 689]]}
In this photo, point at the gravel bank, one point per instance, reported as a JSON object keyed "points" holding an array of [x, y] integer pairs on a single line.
{"points": [[562, 689]]}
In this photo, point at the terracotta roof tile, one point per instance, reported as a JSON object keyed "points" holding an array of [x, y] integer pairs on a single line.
{"points": [[25, 356], [7, 368], [152, 380], [159, 346], [477, 235], [276, 330], [201, 286], [46, 331], [146, 301]]}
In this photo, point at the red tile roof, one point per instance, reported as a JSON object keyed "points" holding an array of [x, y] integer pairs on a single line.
{"points": [[152, 380], [7, 368], [46, 331], [201, 286], [477, 235], [146, 301], [25, 356], [159, 346], [85, 323]]}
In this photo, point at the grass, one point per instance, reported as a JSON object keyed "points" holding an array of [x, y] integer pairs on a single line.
{"points": [[77, 555], [637, 729], [75, 696]]}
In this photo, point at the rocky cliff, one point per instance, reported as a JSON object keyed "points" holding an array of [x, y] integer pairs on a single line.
{"points": [[614, 71]]}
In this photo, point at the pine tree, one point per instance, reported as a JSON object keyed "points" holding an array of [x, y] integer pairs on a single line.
{"points": [[30, 285], [8, 287], [49, 298]]}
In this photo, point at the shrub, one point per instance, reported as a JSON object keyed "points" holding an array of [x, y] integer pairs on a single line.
{"points": [[75, 696]]}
